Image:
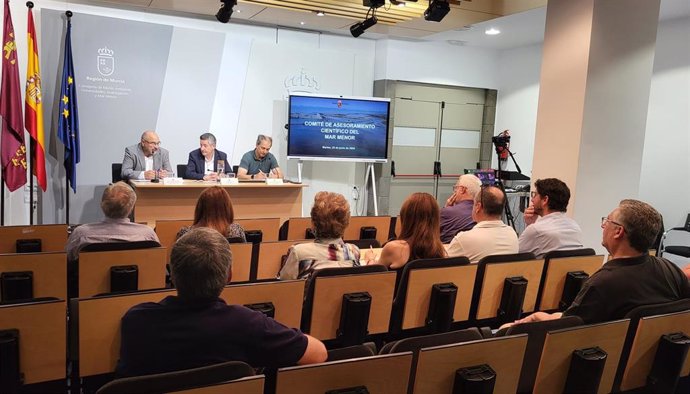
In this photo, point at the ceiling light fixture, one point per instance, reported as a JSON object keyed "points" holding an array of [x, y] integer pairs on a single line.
{"points": [[398, 3], [225, 11], [437, 10], [360, 27], [320, 13], [492, 31]]}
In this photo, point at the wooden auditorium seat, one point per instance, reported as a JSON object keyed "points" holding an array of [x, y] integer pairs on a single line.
{"points": [[558, 351], [437, 366], [42, 327], [167, 230], [269, 227], [242, 261], [381, 223], [413, 295], [323, 304], [94, 269], [49, 271], [53, 237], [557, 265], [648, 325], [294, 229], [388, 374], [286, 297], [270, 258], [492, 272], [232, 376]]}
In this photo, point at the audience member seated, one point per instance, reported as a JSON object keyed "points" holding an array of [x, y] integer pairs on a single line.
{"points": [[419, 234], [632, 277], [490, 236], [548, 228], [330, 215], [214, 210], [456, 216], [196, 328], [117, 203]]}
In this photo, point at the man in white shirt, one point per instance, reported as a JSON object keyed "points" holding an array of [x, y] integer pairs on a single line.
{"points": [[548, 227], [490, 236], [144, 159]]}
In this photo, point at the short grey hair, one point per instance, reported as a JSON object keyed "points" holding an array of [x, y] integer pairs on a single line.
{"points": [[118, 200], [642, 223], [200, 264], [262, 137], [208, 137], [470, 182]]}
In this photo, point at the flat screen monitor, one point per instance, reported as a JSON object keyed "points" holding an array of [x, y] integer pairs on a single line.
{"points": [[338, 128], [487, 176]]}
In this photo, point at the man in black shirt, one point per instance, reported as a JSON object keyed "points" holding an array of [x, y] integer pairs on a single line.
{"points": [[197, 328], [632, 277]]}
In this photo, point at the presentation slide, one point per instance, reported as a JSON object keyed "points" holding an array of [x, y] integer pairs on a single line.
{"points": [[338, 128]]}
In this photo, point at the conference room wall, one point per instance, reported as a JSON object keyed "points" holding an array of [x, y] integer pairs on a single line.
{"points": [[241, 100], [665, 175]]}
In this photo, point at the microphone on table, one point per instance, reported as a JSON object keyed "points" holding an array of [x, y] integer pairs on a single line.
{"points": [[156, 179]]}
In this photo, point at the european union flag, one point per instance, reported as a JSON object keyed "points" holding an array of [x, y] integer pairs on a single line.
{"points": [[68, 127]]}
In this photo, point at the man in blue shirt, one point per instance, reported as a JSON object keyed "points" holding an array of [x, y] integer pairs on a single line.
{"points": [[259, 163]]}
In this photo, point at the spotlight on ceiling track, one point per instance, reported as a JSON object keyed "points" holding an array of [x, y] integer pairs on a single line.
{"points": [[373, 3], [358, 28], [225, 11], [437, 10]]}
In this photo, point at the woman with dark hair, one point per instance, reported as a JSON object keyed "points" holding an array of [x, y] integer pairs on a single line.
{"points": [[420, 234], [330, 215], [214, 210]]}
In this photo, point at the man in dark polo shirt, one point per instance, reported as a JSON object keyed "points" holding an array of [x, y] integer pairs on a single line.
{"points": [[196, 328], [259, 163], [632, 277]]}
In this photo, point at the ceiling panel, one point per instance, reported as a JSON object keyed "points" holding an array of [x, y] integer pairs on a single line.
{"points": [[283, 17]]}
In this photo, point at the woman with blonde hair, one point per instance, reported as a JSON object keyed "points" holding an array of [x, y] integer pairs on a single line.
{"points": [[214, 210], [420, 234], [330, 215]]}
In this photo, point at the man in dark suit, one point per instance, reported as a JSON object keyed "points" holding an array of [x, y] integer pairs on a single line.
{"points": [[203, 162], [147, 159]]}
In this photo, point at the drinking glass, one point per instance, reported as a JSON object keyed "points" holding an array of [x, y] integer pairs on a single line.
{"points": [[220, 167]]}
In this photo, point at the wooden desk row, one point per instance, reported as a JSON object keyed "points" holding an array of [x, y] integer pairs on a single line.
{"points": [[95, 344]]}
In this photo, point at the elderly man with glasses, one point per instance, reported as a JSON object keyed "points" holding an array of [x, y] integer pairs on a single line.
{"points": [[146, 160], [632, 277], [456, 216]]}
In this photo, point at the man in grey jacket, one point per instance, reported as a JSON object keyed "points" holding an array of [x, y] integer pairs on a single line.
{"points": [[146, 160]]}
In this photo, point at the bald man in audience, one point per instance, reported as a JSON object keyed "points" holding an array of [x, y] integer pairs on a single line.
{"points": [[197, 328], [490, 236], [456, 216], [548, 227], [632, 277], [146, 160], [117, 203]]}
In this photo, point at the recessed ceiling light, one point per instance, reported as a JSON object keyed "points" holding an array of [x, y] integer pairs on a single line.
{"points": [[301, 23], [492, 31], [320, 13], [238, 11]]}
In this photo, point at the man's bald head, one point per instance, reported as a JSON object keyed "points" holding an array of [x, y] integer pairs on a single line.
{"points": [[492, 200]]}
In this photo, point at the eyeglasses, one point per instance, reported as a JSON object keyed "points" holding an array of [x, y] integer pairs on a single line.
{"points": [[532, 194], [605, 220], [153, 143], [455, 187]]}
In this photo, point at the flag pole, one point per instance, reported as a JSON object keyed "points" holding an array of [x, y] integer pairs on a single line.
{"points": [[68, 13], [32, 147], [2, 198]]}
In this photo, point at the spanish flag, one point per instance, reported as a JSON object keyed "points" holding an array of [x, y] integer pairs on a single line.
{"points": [[33, 109]]}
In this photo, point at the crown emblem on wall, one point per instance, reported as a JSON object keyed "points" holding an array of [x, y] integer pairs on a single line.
{"points": [[301, 82], [105, 52]]}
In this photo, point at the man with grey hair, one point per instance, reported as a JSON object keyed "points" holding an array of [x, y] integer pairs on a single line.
{"points": [[632, 277], [204, 163], [117, 203], [259, 163], [197, 328], [146, 160], [456, 216], [490, 236]]}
